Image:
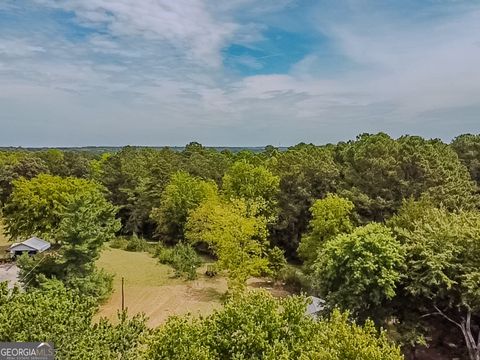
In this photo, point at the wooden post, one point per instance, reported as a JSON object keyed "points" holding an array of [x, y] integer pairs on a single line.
{"points": [[123, 295]]}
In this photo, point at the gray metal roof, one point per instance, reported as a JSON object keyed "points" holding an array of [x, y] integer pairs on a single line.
{"points": [[37, 244], [315, 306]]}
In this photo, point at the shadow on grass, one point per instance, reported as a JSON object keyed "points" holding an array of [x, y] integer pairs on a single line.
{"points": [[206, 294]]}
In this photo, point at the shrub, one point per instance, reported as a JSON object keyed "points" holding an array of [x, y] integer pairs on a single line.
{"points": [[276, 262], [294, 279], [136, 244], [164, 254], [119, 243], [98, 284], [257, 326], [183, 258]]}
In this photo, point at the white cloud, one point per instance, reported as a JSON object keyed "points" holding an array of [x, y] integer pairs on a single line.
{"points": [[419, 67], [185, 24], [18, 47]]}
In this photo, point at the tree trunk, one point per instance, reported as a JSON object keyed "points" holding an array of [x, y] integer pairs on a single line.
{"points": [[473, 347]]}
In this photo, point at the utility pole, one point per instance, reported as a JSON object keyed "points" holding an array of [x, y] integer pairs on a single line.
{"points": [[123, 294]]}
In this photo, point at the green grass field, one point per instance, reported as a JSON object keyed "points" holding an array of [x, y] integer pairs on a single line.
{"points": [[3, 239], [138, 268], [4, 245]]}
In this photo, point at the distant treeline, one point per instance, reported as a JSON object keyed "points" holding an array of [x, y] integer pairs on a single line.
{"points": [[114, 149]]}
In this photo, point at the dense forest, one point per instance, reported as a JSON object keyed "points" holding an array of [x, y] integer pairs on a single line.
{"points": [[386, 231]]}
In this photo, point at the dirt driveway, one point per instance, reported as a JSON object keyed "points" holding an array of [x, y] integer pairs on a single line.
{"points": [[9, 273]]}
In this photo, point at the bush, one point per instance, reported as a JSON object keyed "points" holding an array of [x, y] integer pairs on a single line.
{"points": [[66, 318], [119, 243], [164, 254], [255, 325], [183, 258], [295, 279], [276, 262], [136, 244], [98, 284]]}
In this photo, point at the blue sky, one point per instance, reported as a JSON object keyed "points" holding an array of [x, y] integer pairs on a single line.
{"points": [[237, 72]]}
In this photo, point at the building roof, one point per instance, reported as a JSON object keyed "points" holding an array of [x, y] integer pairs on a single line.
{"points": [[315, 306], [34, 243]]}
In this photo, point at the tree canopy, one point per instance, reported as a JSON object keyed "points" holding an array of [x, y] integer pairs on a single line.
{"points": [[257, 326], [330, 216], [252, 184], [360, 271], [181, 196], [37, 206], [236, 235]]}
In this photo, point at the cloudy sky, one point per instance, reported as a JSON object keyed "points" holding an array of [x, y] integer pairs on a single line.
{"points": [[236, 72]]}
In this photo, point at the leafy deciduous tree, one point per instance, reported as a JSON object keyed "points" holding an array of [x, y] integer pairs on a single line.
{"points": [[253, 184], [52, 313], [37, 206], [258, 326], [360, 271], [236, 236], [330, 216], [181, 196], [443, 270]]}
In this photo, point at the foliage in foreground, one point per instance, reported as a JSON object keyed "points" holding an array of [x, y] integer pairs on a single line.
{"points": [[258, 326], [55, 314], [443, 270]]}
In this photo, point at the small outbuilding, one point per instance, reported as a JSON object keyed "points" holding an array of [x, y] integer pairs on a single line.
{"points": [[315, 307], [31, 246]]}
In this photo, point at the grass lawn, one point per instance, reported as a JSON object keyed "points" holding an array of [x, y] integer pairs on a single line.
{"points": [[4, 244], [151, 288], [3, 239]]}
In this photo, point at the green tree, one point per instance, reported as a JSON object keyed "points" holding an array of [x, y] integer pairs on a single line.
{"points": [[410, 212], [360, 271], [307, 173], [181, 196], [37, 206], [443, 274], [330, 216], [371, 175], [207, 164], [253, 184], [257, 326], [467, 147], [65, 317], [432, 169], [15, 165], [86, 223], [55, 161], [136, 178], [379, 172], [78, 164], [235, 235]]}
